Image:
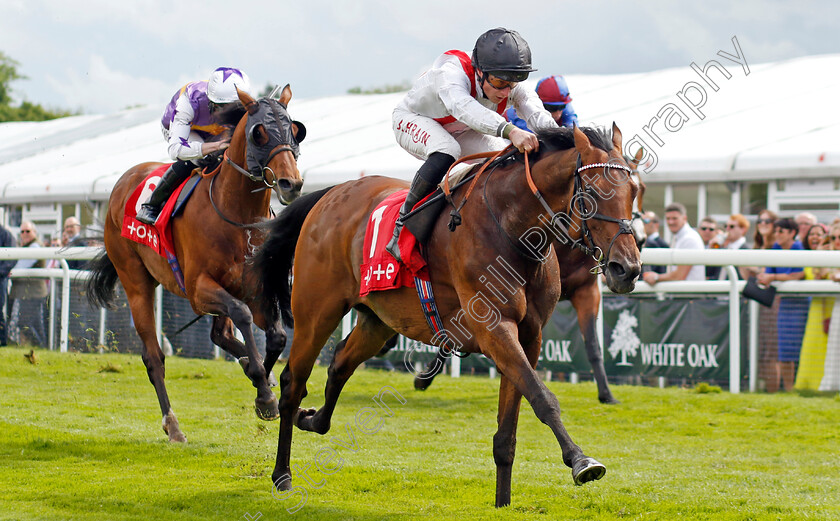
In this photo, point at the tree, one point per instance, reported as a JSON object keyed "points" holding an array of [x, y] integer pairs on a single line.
{"points": [[26, 111], [8, 74]]}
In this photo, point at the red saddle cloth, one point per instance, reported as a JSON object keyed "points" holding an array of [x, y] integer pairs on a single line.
{"points": [[159, 236], [380, 271]]}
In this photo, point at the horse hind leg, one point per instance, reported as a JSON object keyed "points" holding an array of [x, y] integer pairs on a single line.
{"points": [[139, 291], [363, 342]]}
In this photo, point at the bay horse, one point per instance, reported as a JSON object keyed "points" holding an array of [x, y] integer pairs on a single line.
{"points": [[211, 238], [579, 285], [324, 233]]}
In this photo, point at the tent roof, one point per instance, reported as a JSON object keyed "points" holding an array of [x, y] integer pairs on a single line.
{"points": [[779, 121]]}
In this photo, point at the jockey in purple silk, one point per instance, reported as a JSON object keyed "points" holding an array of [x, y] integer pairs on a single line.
{"points": [[187, 124]]}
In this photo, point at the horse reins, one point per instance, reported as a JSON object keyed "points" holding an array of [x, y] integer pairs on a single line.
{"points": [[584, 242]]}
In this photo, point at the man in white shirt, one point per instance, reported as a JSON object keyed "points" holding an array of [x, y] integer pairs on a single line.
{"points": [[684, 237]]}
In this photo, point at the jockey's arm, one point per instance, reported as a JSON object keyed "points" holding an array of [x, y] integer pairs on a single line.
{"points": [[453, 88], [179, 145], [530, 108]]}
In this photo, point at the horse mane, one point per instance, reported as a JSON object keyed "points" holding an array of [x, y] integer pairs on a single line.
{"points": [[230, 116], [563, 138]]}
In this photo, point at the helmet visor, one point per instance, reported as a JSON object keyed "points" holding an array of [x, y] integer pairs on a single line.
{"points": [[510, 76]]}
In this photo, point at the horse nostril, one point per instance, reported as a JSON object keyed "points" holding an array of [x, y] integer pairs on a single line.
{"points": [[617, 269], [285, 185]]}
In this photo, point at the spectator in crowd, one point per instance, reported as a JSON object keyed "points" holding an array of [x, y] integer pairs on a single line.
{"points": [[654, 240], [684, 237], [7, 240], [735, 238], [768, 345], [73, 231], [554, 93], [814, 342], [804, 221], [793, 311], [712, 237], [831, 369], [28, 294]]}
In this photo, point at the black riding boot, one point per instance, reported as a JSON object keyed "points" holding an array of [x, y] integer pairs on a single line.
{"points": [[428, 177], [174, 176]]}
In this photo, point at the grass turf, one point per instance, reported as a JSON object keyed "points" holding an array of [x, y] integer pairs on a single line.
{"points": [[80, 439]]}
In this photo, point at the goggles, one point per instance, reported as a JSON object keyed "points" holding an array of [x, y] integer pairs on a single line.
{"points": [[499, 84], [554, 107]]}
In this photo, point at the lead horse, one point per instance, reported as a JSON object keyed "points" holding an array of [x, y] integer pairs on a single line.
{"points": [[579, 285], [324, 233], [211, 238]]}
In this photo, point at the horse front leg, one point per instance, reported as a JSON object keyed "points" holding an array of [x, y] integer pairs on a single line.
{"points": [[222, 334], [504, 441], [363, 342], [210, 297], [585, 301], [502, 345]]}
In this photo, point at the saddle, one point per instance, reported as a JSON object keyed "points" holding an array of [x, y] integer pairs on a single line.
{"points": [[421, 220]]}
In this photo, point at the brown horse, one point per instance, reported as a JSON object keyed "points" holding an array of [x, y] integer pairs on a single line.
{"points": [[324, 233], [578, 284], [211, 240]]}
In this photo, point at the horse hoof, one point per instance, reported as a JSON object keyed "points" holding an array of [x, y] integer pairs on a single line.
{"points": [[587, 469], [272, 380], [608, 400], [283, 483], [421, 384], [268, 411], [303, 419], [173, 429]]}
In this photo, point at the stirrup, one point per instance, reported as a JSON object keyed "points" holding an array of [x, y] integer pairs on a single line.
{"points": [[148, 214], [393, 246]]}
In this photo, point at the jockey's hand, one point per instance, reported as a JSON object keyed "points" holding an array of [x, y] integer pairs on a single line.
{"points": [[524, 141], [215, 146]]}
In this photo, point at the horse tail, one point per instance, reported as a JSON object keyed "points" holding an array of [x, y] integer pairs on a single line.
{"points": [[99, 287], [273, 261]]}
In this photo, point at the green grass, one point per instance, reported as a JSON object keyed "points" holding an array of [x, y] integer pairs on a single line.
{"points": [[80, 442]]}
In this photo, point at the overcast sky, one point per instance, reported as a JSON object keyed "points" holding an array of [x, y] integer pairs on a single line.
{"points": [[100, 56]]}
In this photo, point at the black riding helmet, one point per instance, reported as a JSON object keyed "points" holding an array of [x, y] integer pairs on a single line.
{"points": [[504, 54]]}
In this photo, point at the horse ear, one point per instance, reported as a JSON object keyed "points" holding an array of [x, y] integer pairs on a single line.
{"points": [[286, 95], [616, 136], [582, 143], [639, 155], [247, 101], [299, 130]]}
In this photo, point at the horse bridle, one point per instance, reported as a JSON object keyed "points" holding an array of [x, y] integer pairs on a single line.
{"points": [[584, 242], [264, 169]]}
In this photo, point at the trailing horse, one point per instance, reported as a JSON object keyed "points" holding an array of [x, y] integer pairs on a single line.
{"points": [[211, 239]]}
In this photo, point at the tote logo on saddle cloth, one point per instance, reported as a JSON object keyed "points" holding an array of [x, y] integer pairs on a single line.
{"points": [[379, 270], [132, 228]]}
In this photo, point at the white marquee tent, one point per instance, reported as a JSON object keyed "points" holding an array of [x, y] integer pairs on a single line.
{"points": [[780, 121]]}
